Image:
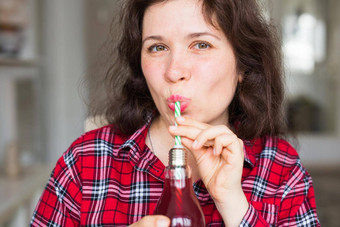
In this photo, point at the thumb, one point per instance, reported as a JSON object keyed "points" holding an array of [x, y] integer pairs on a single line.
{"points": [[152, 221], [162, 221]]}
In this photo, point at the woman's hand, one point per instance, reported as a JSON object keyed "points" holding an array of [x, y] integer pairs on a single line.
{"points": [[219, 156], [152, 221]]}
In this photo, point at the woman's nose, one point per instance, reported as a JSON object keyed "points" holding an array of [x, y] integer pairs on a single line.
{"points": [[178, 68]]}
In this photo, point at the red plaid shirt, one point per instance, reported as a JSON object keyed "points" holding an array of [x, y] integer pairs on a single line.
{"points": [[107, 179]]}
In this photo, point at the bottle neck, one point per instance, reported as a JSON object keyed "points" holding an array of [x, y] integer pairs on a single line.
{"points": [[177, 156], [178, 168]]}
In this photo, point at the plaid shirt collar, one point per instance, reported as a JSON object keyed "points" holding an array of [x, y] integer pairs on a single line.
{"points": [[249, 156], [140, 155]]}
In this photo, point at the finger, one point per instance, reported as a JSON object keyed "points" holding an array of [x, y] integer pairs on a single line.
{"points": [[218, 145], [184, 131], [188, 132], [152, 221], [210, 134], [199, 155], [191, 122], [232, 158], [229, 141], [188, 143]]}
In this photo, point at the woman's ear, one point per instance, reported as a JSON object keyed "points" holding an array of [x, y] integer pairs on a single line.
{"points": [[240, 78]]}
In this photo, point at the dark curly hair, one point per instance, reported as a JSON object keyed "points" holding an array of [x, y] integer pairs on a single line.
{"points": [[256, 109]]}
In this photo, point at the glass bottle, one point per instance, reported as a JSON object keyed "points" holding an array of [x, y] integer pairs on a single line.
{"points": [[178, 200]]}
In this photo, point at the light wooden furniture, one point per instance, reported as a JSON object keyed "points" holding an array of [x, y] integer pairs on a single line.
{"points": [[19, 196]]}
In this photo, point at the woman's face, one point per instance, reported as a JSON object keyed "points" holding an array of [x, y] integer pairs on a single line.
{"points": [[186, 59]]}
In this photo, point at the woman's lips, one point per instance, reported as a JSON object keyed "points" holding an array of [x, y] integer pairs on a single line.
{"points": [[177, 98]]}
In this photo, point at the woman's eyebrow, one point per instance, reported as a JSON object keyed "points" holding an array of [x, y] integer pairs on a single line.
{"points": [[198, 34], [153, 37], [190, 36]]}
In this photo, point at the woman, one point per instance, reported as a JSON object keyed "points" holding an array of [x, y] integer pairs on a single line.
{"points": [[221, 61]]}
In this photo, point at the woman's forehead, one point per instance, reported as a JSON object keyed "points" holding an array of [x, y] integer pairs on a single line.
{"points": [[186, 14]]}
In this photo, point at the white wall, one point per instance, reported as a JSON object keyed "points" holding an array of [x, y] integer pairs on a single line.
{"points": [[320, 150], [63, 61], [324, 150]]}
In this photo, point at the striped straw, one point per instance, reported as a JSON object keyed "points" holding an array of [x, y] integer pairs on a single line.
{"points": [[177, 114]]}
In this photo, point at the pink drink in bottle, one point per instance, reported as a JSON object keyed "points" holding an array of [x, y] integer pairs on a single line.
{"points": [[178, 200]]}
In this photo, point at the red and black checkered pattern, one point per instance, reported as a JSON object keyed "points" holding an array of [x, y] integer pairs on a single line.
{"points": [[107, 179]]}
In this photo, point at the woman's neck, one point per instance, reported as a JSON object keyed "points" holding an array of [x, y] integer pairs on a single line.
{"points": [[160, 141]]}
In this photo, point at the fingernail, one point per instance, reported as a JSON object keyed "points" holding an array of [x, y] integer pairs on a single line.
{"points": [[173, 127], [214, 151], [162, 223], [195, 144], [180, 119]]}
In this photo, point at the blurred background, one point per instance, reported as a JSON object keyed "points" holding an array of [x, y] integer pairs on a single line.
{"points": [[47, 49]]}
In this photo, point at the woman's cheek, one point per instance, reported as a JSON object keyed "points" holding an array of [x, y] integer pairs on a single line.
{"points": [[152, 68], [204, 66]]}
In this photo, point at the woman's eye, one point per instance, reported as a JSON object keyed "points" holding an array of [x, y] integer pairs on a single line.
{"points": [[202, 45], [157, 48]]}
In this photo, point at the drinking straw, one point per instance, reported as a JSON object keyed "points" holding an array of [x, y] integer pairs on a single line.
{"points": [[177, 114]]}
